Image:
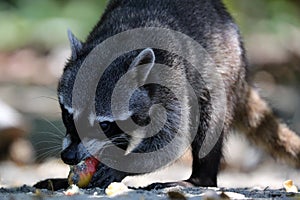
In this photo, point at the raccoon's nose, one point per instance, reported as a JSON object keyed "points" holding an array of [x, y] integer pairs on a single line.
{"points": [[70, 155]]}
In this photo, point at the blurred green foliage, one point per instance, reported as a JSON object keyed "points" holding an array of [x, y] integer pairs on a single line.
{"points": [[265, 15], [43, 23]]}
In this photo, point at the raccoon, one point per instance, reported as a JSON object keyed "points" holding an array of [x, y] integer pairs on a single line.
{"points": [[208, 23]]}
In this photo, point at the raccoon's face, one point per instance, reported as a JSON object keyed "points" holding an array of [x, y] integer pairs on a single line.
{"points": [[76, 145], [144, 121]]}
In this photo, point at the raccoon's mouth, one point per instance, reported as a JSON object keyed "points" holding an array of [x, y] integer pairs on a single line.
{"points": [[82, 173]]}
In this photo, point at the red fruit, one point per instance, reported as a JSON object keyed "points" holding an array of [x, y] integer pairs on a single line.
{"points": [[81, 174]]}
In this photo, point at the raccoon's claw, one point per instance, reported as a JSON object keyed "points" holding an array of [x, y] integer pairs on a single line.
{"points": [[105, 176], [158, 186]]}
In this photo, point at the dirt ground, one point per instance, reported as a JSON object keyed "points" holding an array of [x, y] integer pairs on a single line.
{"points": [[264, 182]]}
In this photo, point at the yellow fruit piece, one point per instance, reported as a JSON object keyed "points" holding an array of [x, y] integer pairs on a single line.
{"points": [[116, 188], [81, 180], [289, 186]]}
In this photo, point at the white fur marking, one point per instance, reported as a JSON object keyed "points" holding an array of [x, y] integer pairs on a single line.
{"points": [[61, 99], [68, 108], [94, 146], [92, 118], [104, 118], [136, 139], [66, 142], [114, 118], [76, 114]]}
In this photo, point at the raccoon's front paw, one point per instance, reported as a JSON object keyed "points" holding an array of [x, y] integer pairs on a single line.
{"points": [[105, 176], [52, 184]]}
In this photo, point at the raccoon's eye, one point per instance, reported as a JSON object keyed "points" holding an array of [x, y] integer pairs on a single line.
{"points": [[105, 126]]}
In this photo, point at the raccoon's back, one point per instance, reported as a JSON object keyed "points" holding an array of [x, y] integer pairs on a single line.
{"points": [[190, 17], [205, 21]]}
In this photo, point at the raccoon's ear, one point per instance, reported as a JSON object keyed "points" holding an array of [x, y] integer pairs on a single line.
{"points": [[146, 58], [76, 45]]}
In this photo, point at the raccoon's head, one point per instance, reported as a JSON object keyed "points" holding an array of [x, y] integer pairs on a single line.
{"points": [[111, 118]]}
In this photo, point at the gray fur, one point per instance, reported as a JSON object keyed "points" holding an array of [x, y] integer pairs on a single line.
{"points": [[145, 54], [76, 45], [208, 23]]}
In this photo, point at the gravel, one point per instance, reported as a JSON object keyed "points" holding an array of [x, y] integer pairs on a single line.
{"points": [[264, 182], [27, 192]]}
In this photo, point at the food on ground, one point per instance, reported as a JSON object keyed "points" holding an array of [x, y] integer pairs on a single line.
{"points": [[81, 174]]}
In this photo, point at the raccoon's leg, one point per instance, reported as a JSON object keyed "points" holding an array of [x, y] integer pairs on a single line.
{"points": [[205, 170], [256, 120]]}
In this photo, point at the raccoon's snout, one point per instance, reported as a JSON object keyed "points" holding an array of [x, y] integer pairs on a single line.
{"points": [[70, 156]]}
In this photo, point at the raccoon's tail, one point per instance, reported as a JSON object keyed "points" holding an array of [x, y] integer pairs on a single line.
{"points": [[256, 120]]}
